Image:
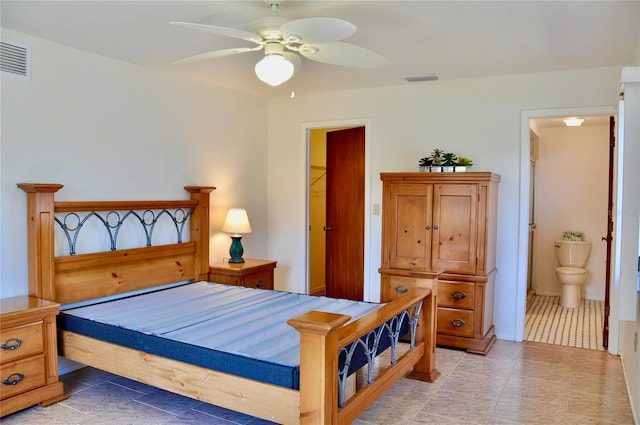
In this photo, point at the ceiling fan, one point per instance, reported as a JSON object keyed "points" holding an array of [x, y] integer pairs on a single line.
{"points": [[284, 40]]}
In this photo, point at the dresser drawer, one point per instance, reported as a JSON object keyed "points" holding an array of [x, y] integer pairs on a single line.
{"points": [[455, 322], [456, 294], [21, 341], [22, 375]]}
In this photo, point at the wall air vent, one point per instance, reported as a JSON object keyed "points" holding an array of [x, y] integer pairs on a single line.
{"points": [[15, 60]]}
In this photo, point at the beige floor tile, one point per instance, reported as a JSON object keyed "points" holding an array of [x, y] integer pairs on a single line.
{"points": [[529, 411], [474, 385], [460, 406], [523, 387], [555, 372], [56, 414], [515, 384], [611, 410]]}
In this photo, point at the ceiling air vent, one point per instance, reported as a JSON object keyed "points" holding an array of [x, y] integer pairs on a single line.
{"points": [[15, 60]]}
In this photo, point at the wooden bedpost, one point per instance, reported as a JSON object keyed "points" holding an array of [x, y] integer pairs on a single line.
{"points": [[199, 227], [40, 219], [425, 368], [426, 331], [318, 365]]}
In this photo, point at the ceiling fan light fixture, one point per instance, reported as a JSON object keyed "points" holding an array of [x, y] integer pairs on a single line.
{"points": [[274, 69]]}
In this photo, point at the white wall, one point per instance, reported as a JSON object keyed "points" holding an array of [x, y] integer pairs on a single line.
{"points": [[573, 172], [479, 118], [111, 130]]}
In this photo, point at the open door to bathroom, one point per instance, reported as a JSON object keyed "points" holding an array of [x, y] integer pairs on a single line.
{"points": [[608, 237]]}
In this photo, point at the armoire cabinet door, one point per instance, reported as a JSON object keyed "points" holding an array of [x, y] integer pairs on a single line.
{"points": [[408, 226], [455, 228]]}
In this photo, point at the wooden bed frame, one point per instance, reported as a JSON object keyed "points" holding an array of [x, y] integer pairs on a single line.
{"points": [[69, 279]]}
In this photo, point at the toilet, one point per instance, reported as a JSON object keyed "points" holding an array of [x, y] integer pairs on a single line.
{"points": [[572, 256]]}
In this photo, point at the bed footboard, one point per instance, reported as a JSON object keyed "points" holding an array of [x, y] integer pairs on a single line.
{"points": [[322, 335]]}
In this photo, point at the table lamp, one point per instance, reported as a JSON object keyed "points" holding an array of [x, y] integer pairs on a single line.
{"points": [[236, 223]]}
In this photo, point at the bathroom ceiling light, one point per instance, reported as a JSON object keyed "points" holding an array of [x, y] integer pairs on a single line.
{"points": [[573, 121]]}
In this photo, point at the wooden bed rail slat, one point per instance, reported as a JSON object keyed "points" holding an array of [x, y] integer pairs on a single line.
{"points": [[64, 207]]}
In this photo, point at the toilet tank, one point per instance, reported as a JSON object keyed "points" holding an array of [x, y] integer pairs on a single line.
{"points": [[572, 253]]}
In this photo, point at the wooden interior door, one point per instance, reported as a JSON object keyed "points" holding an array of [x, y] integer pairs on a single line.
{"points": [[455, 228], [344, 229]]}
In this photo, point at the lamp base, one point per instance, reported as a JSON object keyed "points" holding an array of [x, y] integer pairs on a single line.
{"points": [[236, 250]]}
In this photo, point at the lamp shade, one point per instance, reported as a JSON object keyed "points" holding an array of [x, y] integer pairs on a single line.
{"points": [[274, 69], [237, 222]]}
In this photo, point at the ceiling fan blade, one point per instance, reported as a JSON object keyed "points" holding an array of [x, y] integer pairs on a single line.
{"points": [[343, 54], [217, 54], [224, 31], [317, 30]]}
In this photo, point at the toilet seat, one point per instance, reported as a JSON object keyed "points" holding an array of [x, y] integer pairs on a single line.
{"points": [[570, 270]]}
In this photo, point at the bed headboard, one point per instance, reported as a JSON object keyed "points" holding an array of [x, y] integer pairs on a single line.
{"points": [[78, 277]]}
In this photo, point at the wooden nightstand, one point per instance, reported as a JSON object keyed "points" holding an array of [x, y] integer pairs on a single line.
{"points": [[29, 354], [252, 273]]}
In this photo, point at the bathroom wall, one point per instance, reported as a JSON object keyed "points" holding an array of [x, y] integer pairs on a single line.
{"points": [[571, 194]]}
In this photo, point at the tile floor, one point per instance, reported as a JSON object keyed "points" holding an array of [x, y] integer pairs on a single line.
{"points": [[516, 383]]}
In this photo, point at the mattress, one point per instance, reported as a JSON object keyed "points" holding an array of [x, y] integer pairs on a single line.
{"points": [[237, 330]]}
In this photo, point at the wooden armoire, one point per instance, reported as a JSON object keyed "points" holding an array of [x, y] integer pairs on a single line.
{"points": [[444, 223]]}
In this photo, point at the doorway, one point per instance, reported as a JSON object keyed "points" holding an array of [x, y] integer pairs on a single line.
{"points": [[552, 216], [336, 200]]}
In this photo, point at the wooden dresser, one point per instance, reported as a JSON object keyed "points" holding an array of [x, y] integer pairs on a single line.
{"points": [[444, 223], [251, 274], [28, 355]]}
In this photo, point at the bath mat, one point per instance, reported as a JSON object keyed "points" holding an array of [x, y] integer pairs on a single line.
{"points": [[548, 322]]}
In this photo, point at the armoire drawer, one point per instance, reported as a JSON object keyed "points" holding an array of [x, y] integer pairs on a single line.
{"points": [[21, 341], [22, 375], [395, 286], [455, 322], [456, 294]]}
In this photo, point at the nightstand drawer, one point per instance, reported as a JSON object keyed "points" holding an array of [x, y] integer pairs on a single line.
{"points": [[262, 279], [21, 341], [22, 375], [226, 279], [455, 322], [456, 294]]}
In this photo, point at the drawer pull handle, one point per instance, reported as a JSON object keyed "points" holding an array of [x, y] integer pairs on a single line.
{"points": [[9, 381], [458, 323], [11, 344], [401, 289], [259, 284], [459, 295]]}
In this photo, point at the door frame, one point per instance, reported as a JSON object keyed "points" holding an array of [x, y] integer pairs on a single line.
{"points": [[368, 292], [523, 216]]}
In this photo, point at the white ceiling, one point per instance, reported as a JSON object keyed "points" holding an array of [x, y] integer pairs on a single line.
{"points": [[453, 39]]}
